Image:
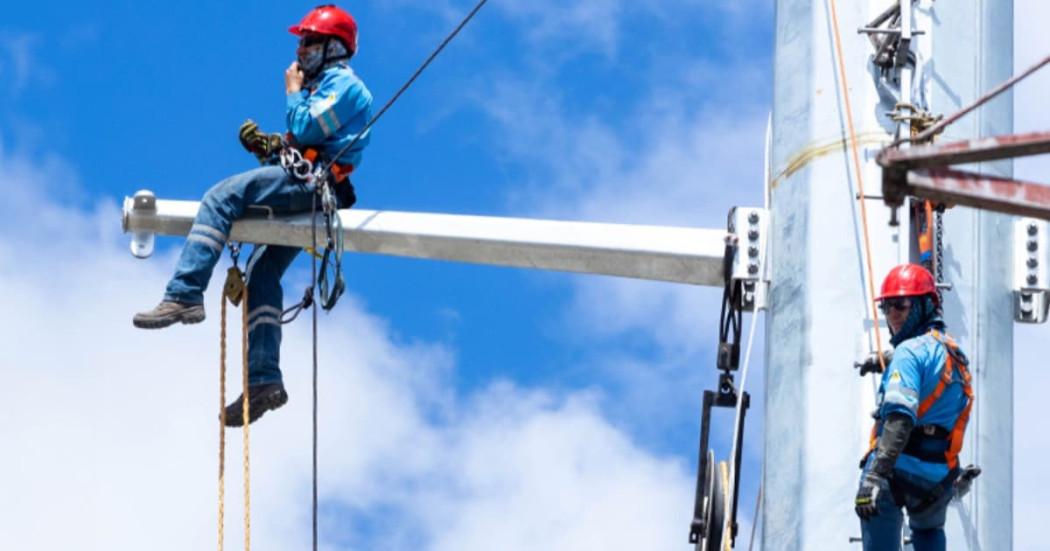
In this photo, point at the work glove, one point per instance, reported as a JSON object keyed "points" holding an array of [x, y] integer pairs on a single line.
{"points": [[264, 146], [867, 501], [871, 363]]}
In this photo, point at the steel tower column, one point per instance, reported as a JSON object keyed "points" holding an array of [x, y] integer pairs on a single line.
{"points": [[819, 322]]}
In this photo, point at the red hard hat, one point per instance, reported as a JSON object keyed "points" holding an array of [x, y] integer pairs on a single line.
{"points": [[908, 280], [332, 21]]}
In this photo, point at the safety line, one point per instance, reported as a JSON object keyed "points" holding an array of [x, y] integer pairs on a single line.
{"points": [[860, 181], [327, 169], [404, 87], [313, 277]]}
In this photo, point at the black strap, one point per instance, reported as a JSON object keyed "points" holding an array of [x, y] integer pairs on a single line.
{"points": [[902, 484], [929, 443], [292, 312]]}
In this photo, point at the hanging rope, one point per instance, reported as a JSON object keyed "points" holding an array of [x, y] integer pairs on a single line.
{"points": [[860, 181], [313, 277], [333, 228], [245, 412], [222, 421], [234, 291]]}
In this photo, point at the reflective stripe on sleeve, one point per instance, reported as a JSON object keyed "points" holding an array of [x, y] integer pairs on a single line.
{"points": [[207, 241]]}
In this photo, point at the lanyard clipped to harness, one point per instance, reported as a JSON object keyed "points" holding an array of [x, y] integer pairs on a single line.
{"points": [[323, 175], [333, 251]]}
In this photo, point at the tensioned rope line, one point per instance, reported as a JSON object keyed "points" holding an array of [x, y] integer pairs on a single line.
{"points": [[407, 84], [327, 170], [313, 278], [860, 181]]}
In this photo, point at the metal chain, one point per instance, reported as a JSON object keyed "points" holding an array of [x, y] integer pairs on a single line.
{"points": [[938, 255]]}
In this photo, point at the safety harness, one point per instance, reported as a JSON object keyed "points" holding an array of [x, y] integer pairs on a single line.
{"points": [[934, 443]]}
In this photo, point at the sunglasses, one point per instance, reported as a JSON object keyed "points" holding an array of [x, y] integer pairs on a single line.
{"points": [[898, 304], [308, 40]]}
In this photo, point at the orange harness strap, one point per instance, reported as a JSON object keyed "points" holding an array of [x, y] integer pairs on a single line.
{"points": [[951, 363], [339, 171]]}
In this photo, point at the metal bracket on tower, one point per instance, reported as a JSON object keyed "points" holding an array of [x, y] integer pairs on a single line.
{"points": [[1031, 271], [747, 243]]}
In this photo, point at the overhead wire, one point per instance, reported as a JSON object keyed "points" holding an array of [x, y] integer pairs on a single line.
{"points": [[406, 85]]}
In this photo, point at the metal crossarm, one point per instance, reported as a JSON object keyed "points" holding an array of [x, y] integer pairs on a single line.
{"points": [[967, 151], [980, 191], [664, 253], [921, 172]]}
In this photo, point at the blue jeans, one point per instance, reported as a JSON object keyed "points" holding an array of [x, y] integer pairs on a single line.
{"points": [[883, 531], [267, 186]]}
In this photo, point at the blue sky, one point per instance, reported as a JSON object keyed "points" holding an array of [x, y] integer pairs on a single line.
{"points": [[461, 403]]}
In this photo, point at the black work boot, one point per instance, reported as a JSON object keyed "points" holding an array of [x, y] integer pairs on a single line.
{"points": [[261, 398], [167, 313]]}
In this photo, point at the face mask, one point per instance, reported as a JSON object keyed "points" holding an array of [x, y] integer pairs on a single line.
{"points": [[311, 59]]}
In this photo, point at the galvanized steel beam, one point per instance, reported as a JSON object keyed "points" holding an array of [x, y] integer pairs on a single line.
{"points": [[664, 253], [980, 191]]}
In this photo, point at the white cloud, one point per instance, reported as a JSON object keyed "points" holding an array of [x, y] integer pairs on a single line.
{"points": [[110, 432], [556, 31], [19, 65]]}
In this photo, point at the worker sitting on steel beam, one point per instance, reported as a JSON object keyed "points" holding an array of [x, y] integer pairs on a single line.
{"points": [[924, 403], [327, 106]]}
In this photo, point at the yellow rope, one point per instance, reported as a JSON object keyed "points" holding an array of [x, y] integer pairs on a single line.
{"points": [[860, 181], [222, 422], [247, 421], [246, 410]]}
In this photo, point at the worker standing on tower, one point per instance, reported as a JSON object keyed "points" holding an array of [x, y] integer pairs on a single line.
{"points": [[327, 107], [924, 404]]}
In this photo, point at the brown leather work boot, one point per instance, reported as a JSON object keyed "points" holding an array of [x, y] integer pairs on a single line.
{"points": [[261, 398], [167, 313]]}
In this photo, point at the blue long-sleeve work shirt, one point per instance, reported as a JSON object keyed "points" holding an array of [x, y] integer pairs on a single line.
{"points": [[330, 113], [909, 379]]}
